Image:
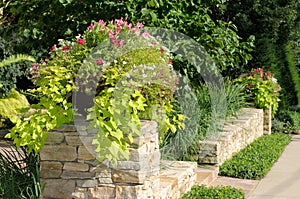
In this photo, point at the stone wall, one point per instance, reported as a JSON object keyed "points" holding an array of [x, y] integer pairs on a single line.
{"points": [[268, 121], [70, 170], [236, 134]]}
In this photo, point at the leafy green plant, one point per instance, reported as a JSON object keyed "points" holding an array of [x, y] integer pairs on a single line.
{"points": [[19, 174], [254, 161], [34, 32], [286, 121], [114, 62], [12, 105], [9, 72], [203, 192], [262, 89]]}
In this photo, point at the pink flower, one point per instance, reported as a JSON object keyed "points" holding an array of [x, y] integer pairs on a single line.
{"points": [[34, 66], [115, 41], [139, 25], [91, 27], [65, 48], [111, 34], [52, 48], [122, 42], [101, 22], [170, 61], [120, 22], [118, 30], [99, 61], [261, 73], [80, 41], [128, 25], [145, 34]]}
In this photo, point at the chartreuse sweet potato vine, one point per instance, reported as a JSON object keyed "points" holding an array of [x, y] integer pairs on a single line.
{"points": [[127, 72]]}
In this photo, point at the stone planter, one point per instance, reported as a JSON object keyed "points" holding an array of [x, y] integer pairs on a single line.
{"points": [[268, 121], [70, 170]]}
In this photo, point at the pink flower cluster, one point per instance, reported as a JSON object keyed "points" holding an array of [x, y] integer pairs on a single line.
{"points": [[114, 28], [261, 73]]}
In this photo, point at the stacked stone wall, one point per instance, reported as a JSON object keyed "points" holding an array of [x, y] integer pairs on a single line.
{"points": [[237, 134]]}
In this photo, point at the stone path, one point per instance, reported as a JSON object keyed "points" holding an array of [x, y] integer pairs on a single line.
{"points": [[246, 185]]}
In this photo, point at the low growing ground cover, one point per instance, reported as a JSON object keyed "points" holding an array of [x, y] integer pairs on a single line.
{"points": [[254, 161], [219, 192]]}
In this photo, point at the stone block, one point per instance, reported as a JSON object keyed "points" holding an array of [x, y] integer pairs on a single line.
{"points": [[85, 154], [58, 153], [74, 166], [73, 140], [77, 175], [105, 181], [102, 192], [130, 192], [67, 128], [87, 183], [58, 188], [101, 172], [129, 176], [51, 169], [55, 138]]}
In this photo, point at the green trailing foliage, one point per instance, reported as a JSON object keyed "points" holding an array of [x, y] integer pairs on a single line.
{"points": [[203, 192], [254, 161], [118, 74]]}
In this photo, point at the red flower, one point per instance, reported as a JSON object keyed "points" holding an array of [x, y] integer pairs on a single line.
{"points": [[52, 48], [65, 48], [80, 41], [161, 50], [170, 61], [250, 85]]}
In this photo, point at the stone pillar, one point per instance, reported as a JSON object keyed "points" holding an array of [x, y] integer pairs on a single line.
{"points": [[70, 170], [267, 121]]}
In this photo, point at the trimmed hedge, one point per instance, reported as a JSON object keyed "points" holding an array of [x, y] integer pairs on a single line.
{"points": [[219, 192], [254, 161]]}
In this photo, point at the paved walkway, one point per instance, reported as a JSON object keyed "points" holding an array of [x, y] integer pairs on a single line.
{"points": [[283, 180]]}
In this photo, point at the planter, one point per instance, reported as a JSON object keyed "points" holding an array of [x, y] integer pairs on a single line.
{"points": [[70, 169]]}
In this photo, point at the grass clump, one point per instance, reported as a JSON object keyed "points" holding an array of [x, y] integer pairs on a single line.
{"points": [[19, 174], [254, 161], [203, 192]]}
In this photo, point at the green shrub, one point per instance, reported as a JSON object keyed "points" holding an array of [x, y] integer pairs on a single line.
{"points": [[294, 71], [286, 121], [254, 161], [219, 192]]}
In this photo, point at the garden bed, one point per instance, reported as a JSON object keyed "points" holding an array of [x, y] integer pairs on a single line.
{"points": [[257, 159]]}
